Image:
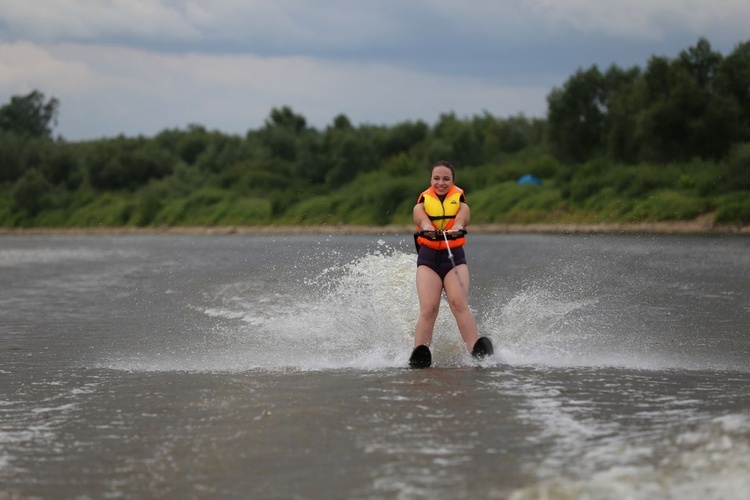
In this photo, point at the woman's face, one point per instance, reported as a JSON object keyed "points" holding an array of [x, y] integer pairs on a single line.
{"points": [[441, 179]]}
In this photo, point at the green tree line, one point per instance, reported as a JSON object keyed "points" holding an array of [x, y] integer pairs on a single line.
{"points": [[670, 141]]}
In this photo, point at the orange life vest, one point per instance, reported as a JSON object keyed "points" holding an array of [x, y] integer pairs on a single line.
{"points": [[442, 214]]}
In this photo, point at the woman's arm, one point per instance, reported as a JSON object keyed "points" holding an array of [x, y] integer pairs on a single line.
{"points": [[421, 219], [463, 217]]}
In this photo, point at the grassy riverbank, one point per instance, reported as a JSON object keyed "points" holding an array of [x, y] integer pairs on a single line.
{"points": [[702, 195]]}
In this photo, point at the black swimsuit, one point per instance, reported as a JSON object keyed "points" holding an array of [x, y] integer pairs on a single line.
{"points": [[438, 260]]}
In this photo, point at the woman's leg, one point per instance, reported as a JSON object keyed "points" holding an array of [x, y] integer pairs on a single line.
{"points": [[429, 289], [456, 285]]}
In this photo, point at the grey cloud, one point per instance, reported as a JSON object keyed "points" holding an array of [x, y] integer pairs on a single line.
{"points": [[335, 23]]}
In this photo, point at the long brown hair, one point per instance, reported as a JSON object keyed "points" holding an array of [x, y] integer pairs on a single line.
{"points": [[444, 163]]}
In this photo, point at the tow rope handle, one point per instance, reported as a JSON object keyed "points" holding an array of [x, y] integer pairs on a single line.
{"points": [[439, 234]]}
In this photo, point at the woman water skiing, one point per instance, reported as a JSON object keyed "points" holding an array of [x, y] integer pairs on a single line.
{"points": [[441, 216]]}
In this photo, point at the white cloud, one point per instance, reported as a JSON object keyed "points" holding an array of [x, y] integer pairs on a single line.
{"points": [[105, 91], [23, 66]]}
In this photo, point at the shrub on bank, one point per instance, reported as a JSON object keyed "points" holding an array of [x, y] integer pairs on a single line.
{"points": [[734, 209], [667, 205]]}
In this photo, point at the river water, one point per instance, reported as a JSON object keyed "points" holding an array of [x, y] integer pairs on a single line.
{"points": [[261, 366]]}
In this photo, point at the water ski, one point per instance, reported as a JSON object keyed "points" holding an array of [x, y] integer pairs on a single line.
{"points": [[482, 348], [420, 357]]}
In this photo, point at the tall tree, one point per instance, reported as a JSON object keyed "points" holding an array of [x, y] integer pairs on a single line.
{"points": [[685, 114], [623, 103], [29, 115], [347, 152], [282, 133], [733, 80], [576, 114], [460, 134]]}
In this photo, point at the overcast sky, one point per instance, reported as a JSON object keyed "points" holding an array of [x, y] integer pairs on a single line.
{"points": [[142, 66]]}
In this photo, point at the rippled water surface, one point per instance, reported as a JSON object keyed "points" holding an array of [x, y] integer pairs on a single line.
{"points": [[274, 367]]}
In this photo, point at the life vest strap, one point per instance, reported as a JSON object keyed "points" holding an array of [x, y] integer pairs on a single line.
{"points": [[441, 217]]}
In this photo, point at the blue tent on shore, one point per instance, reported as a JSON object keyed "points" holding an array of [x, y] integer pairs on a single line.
{"points": [[530, 179]]}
